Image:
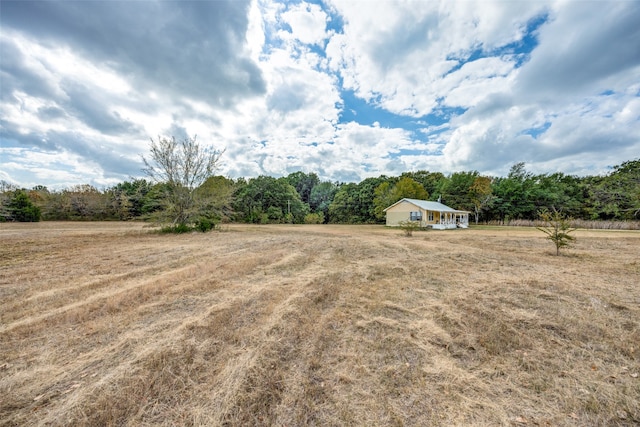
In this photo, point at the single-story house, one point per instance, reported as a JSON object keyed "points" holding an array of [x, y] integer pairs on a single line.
{"points": [[429, 214]]}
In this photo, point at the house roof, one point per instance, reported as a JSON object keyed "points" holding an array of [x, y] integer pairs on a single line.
{"points": [[427, 205]]}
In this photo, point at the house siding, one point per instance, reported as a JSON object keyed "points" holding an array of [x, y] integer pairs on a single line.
{"points": [[402, 211], [394, 218]]}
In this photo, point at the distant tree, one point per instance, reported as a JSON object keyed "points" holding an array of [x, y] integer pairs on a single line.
{"points": [[20, 208], [304, 184], [563, 192], [384, 196], [481, 195], [87, 203], [6, 193], [182, 166], [456, 190], [40, 195], [343, 207], [321, 197], [431, 181], [365, 207], [269, 200], [515, 194], [7, 187], [215, 197], [557, 228], [409, 188], [387, 194], [617, 195], [128, 198]]}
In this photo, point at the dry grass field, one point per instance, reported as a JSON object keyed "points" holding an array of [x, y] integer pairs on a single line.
{"points": [[109, 324]]}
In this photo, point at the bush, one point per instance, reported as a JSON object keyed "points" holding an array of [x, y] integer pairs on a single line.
{"points": [[205, 224], [314, 218], [176, 229], [409, 227]]}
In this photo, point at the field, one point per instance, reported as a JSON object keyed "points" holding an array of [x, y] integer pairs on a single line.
{"points": [[109, 324]]}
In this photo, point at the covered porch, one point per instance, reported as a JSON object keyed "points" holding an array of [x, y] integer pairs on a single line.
{"points": [[451, 219]]}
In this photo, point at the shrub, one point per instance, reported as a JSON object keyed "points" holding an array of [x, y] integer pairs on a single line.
{"points": [[409, 227], [205, 224], [176, 229], [314, 218]]}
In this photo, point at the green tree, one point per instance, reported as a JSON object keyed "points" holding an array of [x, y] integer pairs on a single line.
{"points": [[183, 166], [129, 197], [383, 197], [387, 194], [431, 181], [321, 197], [343, 206], [267, 199], [456, 190], [20, 208], [515, 194], [215, 198], [410, 189], [481, 195], [354, 203], [304, 184], [364, 207], [561, 192], [617, 195], [557, 228]]}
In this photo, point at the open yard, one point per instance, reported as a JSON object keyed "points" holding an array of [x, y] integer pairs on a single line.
{"points": [[108, 324]]}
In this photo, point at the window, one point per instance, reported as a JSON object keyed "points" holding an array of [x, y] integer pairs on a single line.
{"points": [[415, 216]]}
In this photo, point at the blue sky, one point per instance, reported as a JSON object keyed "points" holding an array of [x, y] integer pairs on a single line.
{"points": [[346, 89]]}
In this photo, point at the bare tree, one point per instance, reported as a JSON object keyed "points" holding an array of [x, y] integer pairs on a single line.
{"points": [[182, 166]]}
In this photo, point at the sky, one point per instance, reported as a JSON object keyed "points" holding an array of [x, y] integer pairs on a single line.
{"points": [[344, 89]]}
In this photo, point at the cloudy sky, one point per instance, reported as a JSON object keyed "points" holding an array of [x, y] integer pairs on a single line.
{"points": [[347, 89]]}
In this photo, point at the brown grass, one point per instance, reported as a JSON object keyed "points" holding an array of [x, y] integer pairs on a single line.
{"points": [[107, 324], [577, 223]]}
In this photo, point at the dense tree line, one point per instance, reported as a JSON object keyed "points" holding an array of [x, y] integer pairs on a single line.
{"points": [[303, 197]]}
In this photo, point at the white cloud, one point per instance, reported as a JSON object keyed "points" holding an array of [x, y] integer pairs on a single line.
{"points": [[586, 47], [307, 21], [266, 83], [64, 169], [400, 53]]}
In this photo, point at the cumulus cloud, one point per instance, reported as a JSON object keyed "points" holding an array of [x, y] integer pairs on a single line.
{"points": [[308, 23], [585, 47], [341, 88]]}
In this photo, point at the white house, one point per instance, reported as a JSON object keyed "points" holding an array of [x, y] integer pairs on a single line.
{"points": [[429, 214]]}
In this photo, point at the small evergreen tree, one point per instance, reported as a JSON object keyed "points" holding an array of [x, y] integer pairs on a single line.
{"points": [[557, 228], [22, 209]]}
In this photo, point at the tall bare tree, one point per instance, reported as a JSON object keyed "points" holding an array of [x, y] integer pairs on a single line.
{"points": [[183, 165]]}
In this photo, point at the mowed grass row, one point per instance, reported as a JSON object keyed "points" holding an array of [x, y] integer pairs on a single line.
{"points": [[107, 324]]}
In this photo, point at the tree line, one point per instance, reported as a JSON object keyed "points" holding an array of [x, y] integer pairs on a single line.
{"points": [[304, 198]]}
